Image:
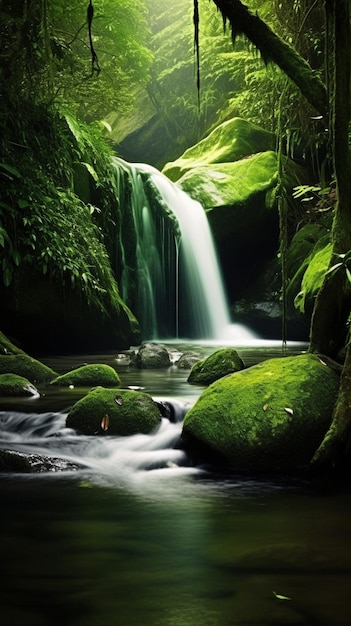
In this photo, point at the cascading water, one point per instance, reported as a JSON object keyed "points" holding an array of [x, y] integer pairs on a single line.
{"points": [[130, 462], [176, 289]]}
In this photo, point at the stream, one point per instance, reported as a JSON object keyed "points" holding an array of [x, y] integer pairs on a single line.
{"points": [[139, 536]]}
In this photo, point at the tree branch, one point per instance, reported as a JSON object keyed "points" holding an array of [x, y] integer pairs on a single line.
{"points": [[275, 50]]}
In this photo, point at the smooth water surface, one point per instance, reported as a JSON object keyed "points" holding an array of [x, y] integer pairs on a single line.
{"points": [[139, 536]]}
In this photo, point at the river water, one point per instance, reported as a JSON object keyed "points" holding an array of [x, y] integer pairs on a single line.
{"points": [[139, 536]]}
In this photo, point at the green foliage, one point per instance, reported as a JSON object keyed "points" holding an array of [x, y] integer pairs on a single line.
{"points": [[43, 223], [46, 55], [344, 264]]}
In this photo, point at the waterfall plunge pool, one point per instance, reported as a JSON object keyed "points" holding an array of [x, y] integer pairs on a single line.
{"points": [[137, 536]]}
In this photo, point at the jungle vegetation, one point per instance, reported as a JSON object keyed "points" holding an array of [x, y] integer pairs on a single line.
{"points": [[65, 69]]}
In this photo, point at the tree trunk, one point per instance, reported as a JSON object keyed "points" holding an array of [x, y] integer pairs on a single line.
{"points": [[334, 445], [274, 49], [332, 307]]}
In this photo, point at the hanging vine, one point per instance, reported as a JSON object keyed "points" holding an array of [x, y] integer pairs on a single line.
{"points": [[197, 47], [95, 67]]}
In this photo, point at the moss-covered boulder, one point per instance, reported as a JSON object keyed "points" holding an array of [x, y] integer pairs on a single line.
{"points": [[223, 184], [219, 364], [14, 385], [114, 412], [271, 416], [89, 376], [233, 140], [151, 356], [26, 366]]}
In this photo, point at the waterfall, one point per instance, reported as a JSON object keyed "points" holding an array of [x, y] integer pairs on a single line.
{"points": [[173, 283]]}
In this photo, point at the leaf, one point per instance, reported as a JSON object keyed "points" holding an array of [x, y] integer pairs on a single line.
{"points": [[91, 171], [348, 274], [106, 125], [118, 400], [290, 411], [280, 597], [105, 422], [333, 268], [265, 407], [10, 170], [22, 203]]}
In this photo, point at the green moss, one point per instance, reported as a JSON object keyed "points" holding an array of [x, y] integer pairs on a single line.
{"points": [[233, 140], [230, 183], [14, 385], [89, 376], [220, 363], [26, 366], [7, 347], [270, 416], [114, 412]]}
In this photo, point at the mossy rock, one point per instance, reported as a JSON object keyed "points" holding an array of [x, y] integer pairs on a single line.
{"points": [[14, 385], [114, 412], [89, 376], [223, 184], [233, 140], [26, 366], [219, 364], [272, 416], [7, 347]]}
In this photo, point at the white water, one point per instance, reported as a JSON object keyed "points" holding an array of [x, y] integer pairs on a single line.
{"points": [[179, 272], [128, 462]]}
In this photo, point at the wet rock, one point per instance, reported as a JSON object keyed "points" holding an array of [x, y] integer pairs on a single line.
{"points": [[151, 356], [14, 385], [219, 364], [187, 360], [18, 462], [26, 366], [89, 376], [272, 416], [114, 412]]}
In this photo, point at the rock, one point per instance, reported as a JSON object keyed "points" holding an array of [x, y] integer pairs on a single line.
{"points": [[114, 412], [271, 416], [219, 364], [233, 140], [14, 385], [19, 462], [7, 347], [26, 366], [151, 356], [187, 360], [89, 376], [231, 184]]}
